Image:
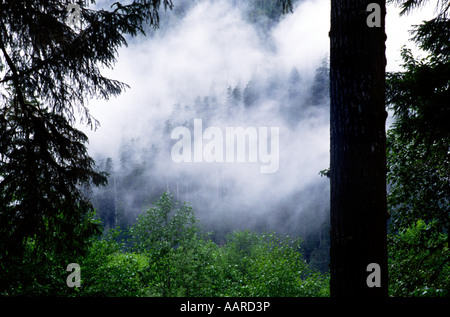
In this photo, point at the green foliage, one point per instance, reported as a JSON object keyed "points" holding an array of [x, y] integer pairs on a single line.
{"points": [[188, 270], [43, 162], [418, 161], [417, 261], [166, 234], [175, 260], [163, 227], [34, 276], [108, 271], [169, 257], [268, 265], [38, 272], [49, 71]]}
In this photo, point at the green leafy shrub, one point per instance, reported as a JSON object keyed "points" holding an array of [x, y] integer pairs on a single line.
{"points": [[267, 265], [414, 253], [108, 271]]}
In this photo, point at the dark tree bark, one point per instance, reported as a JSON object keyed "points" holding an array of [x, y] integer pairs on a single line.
{"points": [[358, 148]]}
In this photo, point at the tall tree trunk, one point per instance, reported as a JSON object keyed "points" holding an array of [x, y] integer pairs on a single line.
{"points": [[358, 149]]}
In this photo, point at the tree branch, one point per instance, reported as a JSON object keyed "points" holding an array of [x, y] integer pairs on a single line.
{"points": [[15, 76]]}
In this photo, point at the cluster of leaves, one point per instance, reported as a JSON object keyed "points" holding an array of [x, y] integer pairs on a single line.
{"points": [[168, 256], [267, 265], [107, 271], [416, 262]]}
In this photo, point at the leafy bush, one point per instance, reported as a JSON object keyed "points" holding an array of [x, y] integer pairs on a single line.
{"points": [[267, 265], [414, 255], [108, 271]]}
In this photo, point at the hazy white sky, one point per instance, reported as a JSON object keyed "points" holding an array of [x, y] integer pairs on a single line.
{"points": [[397, 28]]}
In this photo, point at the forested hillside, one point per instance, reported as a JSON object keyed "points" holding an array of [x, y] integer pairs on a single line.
{"points": [[148, 202], [137, 178]]}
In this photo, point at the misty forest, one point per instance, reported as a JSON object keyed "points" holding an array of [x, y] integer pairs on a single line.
{"points": [[88, 115]]}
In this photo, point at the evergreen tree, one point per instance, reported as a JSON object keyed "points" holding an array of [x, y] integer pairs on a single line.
{"points": [[237, 94], [249, 96], [419, 161], [293, 107], [294, 84], [49, 70], [321, 85], [229, 94], [234, 98], [105, 198]]}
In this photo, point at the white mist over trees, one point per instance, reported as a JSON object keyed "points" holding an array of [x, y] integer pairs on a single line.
{"points": [[231, 66]]}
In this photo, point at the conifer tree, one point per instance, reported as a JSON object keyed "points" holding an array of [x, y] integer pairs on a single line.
{"points": [[418, 159], [50, 66]]}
